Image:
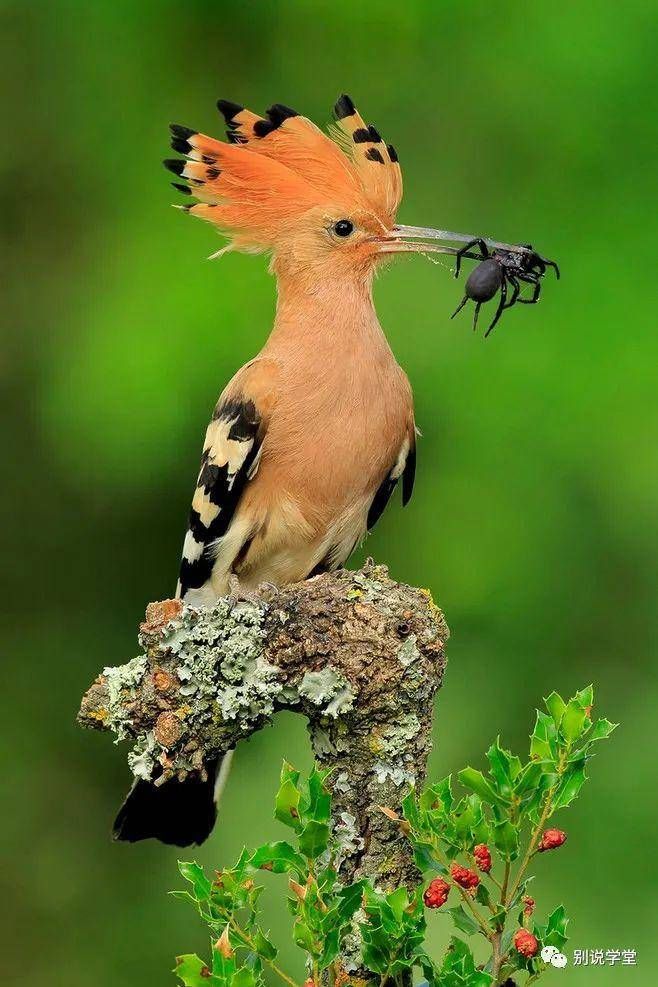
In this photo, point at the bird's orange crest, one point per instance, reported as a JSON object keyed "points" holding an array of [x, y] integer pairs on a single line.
{"points": [[276, 170]]}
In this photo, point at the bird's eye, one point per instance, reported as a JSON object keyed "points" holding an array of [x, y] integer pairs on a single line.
{"points": [[343, 227]]}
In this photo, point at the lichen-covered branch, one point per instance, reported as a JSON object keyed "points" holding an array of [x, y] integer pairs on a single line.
{"points": [[358, 654]]}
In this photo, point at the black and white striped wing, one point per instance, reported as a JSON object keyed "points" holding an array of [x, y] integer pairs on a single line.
{"points": [[230, 459], [405, 467]]}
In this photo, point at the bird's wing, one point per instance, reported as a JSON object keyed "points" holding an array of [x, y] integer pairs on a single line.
{"points": [[405, 467], [231, 454]]}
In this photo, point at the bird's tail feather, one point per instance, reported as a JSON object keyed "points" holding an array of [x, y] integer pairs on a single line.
{"points": [[222, 777], [179, 812]]}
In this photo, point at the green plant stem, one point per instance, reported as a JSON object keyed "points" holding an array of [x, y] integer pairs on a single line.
{"points": [[534, 838], [251, 944], [496, 942], [504, 885], [479, 918], [495, 881]]}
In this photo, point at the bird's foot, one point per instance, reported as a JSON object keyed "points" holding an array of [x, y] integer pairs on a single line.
{"points": [[238, 594]]}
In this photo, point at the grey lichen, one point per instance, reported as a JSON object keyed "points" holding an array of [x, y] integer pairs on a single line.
{"points": [[122, 683], [394, 737], [241, 684], [349, 839], [409, 652], [254, 695], [398, 775], [356, 653], [142, 758], [329, 687]]}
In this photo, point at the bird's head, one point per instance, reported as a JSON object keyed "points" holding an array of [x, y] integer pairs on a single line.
{"points": [[323, 205]]}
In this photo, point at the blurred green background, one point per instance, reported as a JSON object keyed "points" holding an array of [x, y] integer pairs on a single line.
{"points": [[534, 520]]}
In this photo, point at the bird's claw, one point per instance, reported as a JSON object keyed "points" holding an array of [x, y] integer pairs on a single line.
{"points": [[237, 594]]}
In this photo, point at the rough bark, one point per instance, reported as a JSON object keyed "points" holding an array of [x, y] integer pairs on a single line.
{"points": [[358, 654]]}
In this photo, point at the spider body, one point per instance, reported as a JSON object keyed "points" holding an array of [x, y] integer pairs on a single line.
{"points": [[498, 269]]}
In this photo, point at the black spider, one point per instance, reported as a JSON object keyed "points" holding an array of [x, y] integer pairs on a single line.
{"points": [[498, 269]]}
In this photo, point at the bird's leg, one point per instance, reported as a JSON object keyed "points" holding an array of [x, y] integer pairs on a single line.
{"points": [[237, 594]]}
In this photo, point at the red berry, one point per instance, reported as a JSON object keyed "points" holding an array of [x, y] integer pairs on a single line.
{"points": [[551, 839], [525, 943], [482, 856], [528, 904], [464, 877], [436, 893]]}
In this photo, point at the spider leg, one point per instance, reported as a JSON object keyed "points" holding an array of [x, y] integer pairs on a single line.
{"points": [[460, 306], [536, 290], [501, 305], [516, 288], [475, 316], [551, 263], [478, 242]]}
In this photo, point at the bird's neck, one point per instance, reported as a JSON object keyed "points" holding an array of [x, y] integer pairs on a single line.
{"points": [[326, 316]]}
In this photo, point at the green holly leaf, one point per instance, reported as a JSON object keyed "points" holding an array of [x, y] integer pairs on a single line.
{"points": [[223, 967], [374, 957], [555, 933], [556, 706], [533, 799], [543, 741], [410, 809], [192, 971], [475, 780], [264, 946], [279, 857], [286, 806], [425, 859], [331, 948], [528, 777], [303, 936], [600, 730], [319, 797], [288, 773], [437, 797], [506, 839], [482, 894], [244, 977], [585, 697], [192, 872], [463, 920], [183, 896], [574, 721], [397, 901], [572, 781], [349, 900], [500, 762], [459, 967], [314, 839]]}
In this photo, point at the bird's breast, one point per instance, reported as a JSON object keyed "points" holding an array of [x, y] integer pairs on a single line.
{"points": [[335, 432]]}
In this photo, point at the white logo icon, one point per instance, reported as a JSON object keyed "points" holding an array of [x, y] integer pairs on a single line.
{"points": [[551, 955]]}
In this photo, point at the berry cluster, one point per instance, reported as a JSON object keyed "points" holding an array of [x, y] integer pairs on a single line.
{"points": [[551, 839], [436, 893], [525, 943], [482, 855]]}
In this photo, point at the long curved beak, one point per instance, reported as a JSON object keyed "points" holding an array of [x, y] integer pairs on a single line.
{"points": [[424, 240]]}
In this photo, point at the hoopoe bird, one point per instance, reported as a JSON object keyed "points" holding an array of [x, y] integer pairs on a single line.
{"points": [[310, 438]]}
